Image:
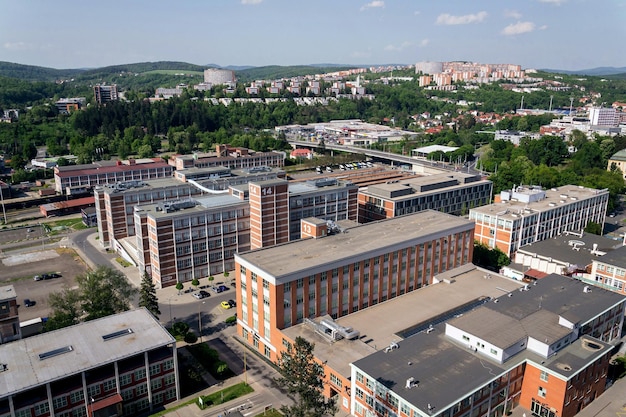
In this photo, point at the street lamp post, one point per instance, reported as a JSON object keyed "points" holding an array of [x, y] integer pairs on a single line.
{"points": [[200, 320], [4, 213]]}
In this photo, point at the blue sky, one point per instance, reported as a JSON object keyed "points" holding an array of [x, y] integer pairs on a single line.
{"points": [[558, 34]]}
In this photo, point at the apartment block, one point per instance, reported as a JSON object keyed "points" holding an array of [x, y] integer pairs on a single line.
{"points": [[124, 364], [87, 176], [177, 241], [344, 272], [230, 157], [9, 317], [115, 202], [609, 271], [603, 116], [105, 93], [525, 215], [454, 193], [545, 347]]}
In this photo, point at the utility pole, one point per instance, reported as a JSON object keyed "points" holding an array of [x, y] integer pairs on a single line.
{"points": [[4, 213]]}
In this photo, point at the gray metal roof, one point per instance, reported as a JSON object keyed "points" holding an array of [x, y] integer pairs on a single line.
{"points": [[559, 295], [445, 372], [561, 248], [25, 369], [496, 328], [615, 258]]}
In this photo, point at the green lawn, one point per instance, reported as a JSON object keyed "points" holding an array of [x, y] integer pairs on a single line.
{"points": [[225, 395]]}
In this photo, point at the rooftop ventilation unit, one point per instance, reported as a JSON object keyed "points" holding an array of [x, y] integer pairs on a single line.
{"points": [[117, 334]]}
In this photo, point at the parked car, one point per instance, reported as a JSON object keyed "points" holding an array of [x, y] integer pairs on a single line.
{"points": [[44, 277], [233, 284], [201, 294], [220, 288], [28, 302], [225, 305], [232, 303]]}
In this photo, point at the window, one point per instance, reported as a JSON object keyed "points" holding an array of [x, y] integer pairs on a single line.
{"points": [[169, 379], [125, 379], [168, 364], [142, 389], [466, 338], [335, 380], [542, 392], [77, 396], [268, 352], [544, 376], [359, 377], [155, 369], [42, 408], [59, 402], [93, 390], [156, 383], [108, 385], [140, 374], [23, 413], [493, 351], [127, 394], [359, 393]]}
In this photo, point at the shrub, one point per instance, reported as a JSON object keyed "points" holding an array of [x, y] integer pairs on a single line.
{"points": [[180, 328], [191, 337]]}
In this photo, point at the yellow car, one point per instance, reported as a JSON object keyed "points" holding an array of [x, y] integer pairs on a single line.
{"points": [[225, 304]]}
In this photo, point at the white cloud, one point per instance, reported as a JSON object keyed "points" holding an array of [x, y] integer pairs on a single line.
{"points": [[17, 46], [555, 2], [400, 47], [514, 14], [448, 19], [424, 42], [373, 4], [518, 28], [251, 1]]}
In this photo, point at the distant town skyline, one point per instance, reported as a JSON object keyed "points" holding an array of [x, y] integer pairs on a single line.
{"points": [[556, 34]]}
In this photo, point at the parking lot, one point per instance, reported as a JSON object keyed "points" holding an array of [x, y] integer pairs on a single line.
{"points": [[19, 269]]}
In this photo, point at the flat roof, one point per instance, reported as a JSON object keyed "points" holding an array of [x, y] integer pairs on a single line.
{"points": [[79, 348], [445, 372], [561, 248], [415, 184], [7, 292], [559, 295], [381, 324], [301, 256], [203, 203], [616, 257], [142, 186], [555, 197]]}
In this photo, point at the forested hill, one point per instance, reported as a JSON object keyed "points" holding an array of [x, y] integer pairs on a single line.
{"points": [[105, 74], [34, 73]]}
